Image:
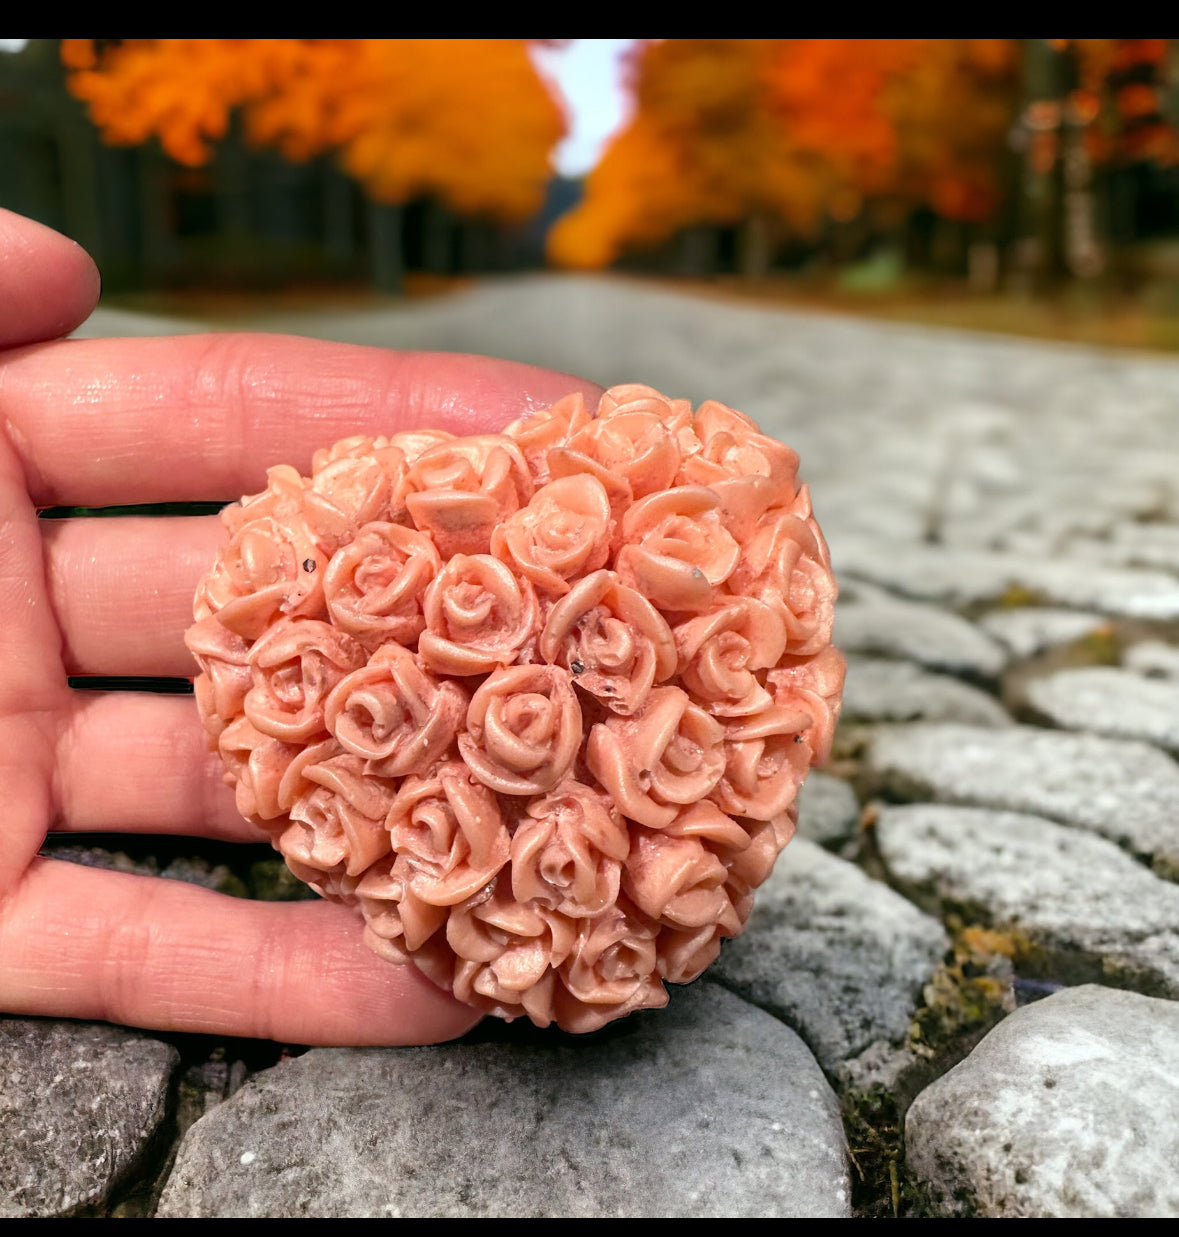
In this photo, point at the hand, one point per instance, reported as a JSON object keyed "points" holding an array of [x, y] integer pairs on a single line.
{"points": [[113, 421]]}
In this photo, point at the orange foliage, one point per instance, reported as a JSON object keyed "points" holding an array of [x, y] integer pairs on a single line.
{"points": [[468, 120], [952, 107], [797, 130]]}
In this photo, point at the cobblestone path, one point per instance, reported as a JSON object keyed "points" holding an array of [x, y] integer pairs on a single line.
{"points": [[957, 994]]}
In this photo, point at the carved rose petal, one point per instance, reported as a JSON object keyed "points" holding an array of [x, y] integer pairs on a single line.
{"points": [[337, 810], [506, 951], [567, 851], [478, 616], [669, 753], [269, 569], [225, 677], [295, 665], [611, 639], [814, 685], [392, 910], [686, 953], [394, 714], [677, 549], [733, 441], [523, 729], [450, 833], [767, 758], [635, 445], [562, 533], [460, 490], [679, 881], [611, 971], [784, 564], [720, 655], [255, 765], [374, 586], [539, 432]]}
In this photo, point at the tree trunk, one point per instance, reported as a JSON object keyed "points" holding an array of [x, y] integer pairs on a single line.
{"points": [[1039, 257], [436, 240], [232, 181], [1082, 245], [697, 257], [384, 242], [78, 170], [756, 248], [339, 233], [157, 235]]}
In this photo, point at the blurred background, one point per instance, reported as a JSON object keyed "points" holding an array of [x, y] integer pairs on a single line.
{"points": [[1023, 185]]}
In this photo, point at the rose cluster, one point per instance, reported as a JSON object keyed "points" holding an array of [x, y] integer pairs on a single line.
{"points": [[537, 703]]}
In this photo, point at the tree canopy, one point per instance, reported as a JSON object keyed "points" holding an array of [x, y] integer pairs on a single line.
{"points": [[468, 121]]}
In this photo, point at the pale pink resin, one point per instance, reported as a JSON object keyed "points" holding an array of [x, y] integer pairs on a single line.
{"points": [[537, 703]]}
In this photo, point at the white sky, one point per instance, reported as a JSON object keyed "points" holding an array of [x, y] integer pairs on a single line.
{"points": [[588, 73], [12, 45]]}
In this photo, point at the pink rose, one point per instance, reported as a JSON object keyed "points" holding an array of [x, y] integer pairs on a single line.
{"points": [[720, 655], [271, 567], [394, 715], [684, 953], [563, 533], [567, 851], [460, 490], [668, 754], [732, 441], [742, 500], [636, 445], [507, 954], [814, 685], [677, 876], [393, 912], [523, 729], [538, 432], [677, 549], [611, 639], [562, 463], [784, 565], [374, 585], [255, 764], [750, 866], [333, 884], [295, 665], [766, 761], [478, 616], [610, 972], [281, 499], [347, 493], [449, 835], [337, 811], [748, 850], [415, 443], [225, 677], [674, 414]]}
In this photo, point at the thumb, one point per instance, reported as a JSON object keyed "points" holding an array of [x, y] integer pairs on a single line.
{"points": [[48, 284]]}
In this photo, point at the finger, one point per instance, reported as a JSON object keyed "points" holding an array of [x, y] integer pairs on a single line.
{"points": [[33, 690], [111, 421], [122, 590], [132, 762], [48, 284], [82, 943]]}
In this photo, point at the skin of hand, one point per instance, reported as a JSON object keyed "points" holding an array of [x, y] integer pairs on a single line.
{"points": [[125, 421]]}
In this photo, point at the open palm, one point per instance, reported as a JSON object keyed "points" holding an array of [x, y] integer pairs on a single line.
{"points": [[104, 422]]}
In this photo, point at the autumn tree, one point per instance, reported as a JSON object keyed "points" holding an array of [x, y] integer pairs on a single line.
{"points": [[788, 133], [467, 122], [712, 142]]}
